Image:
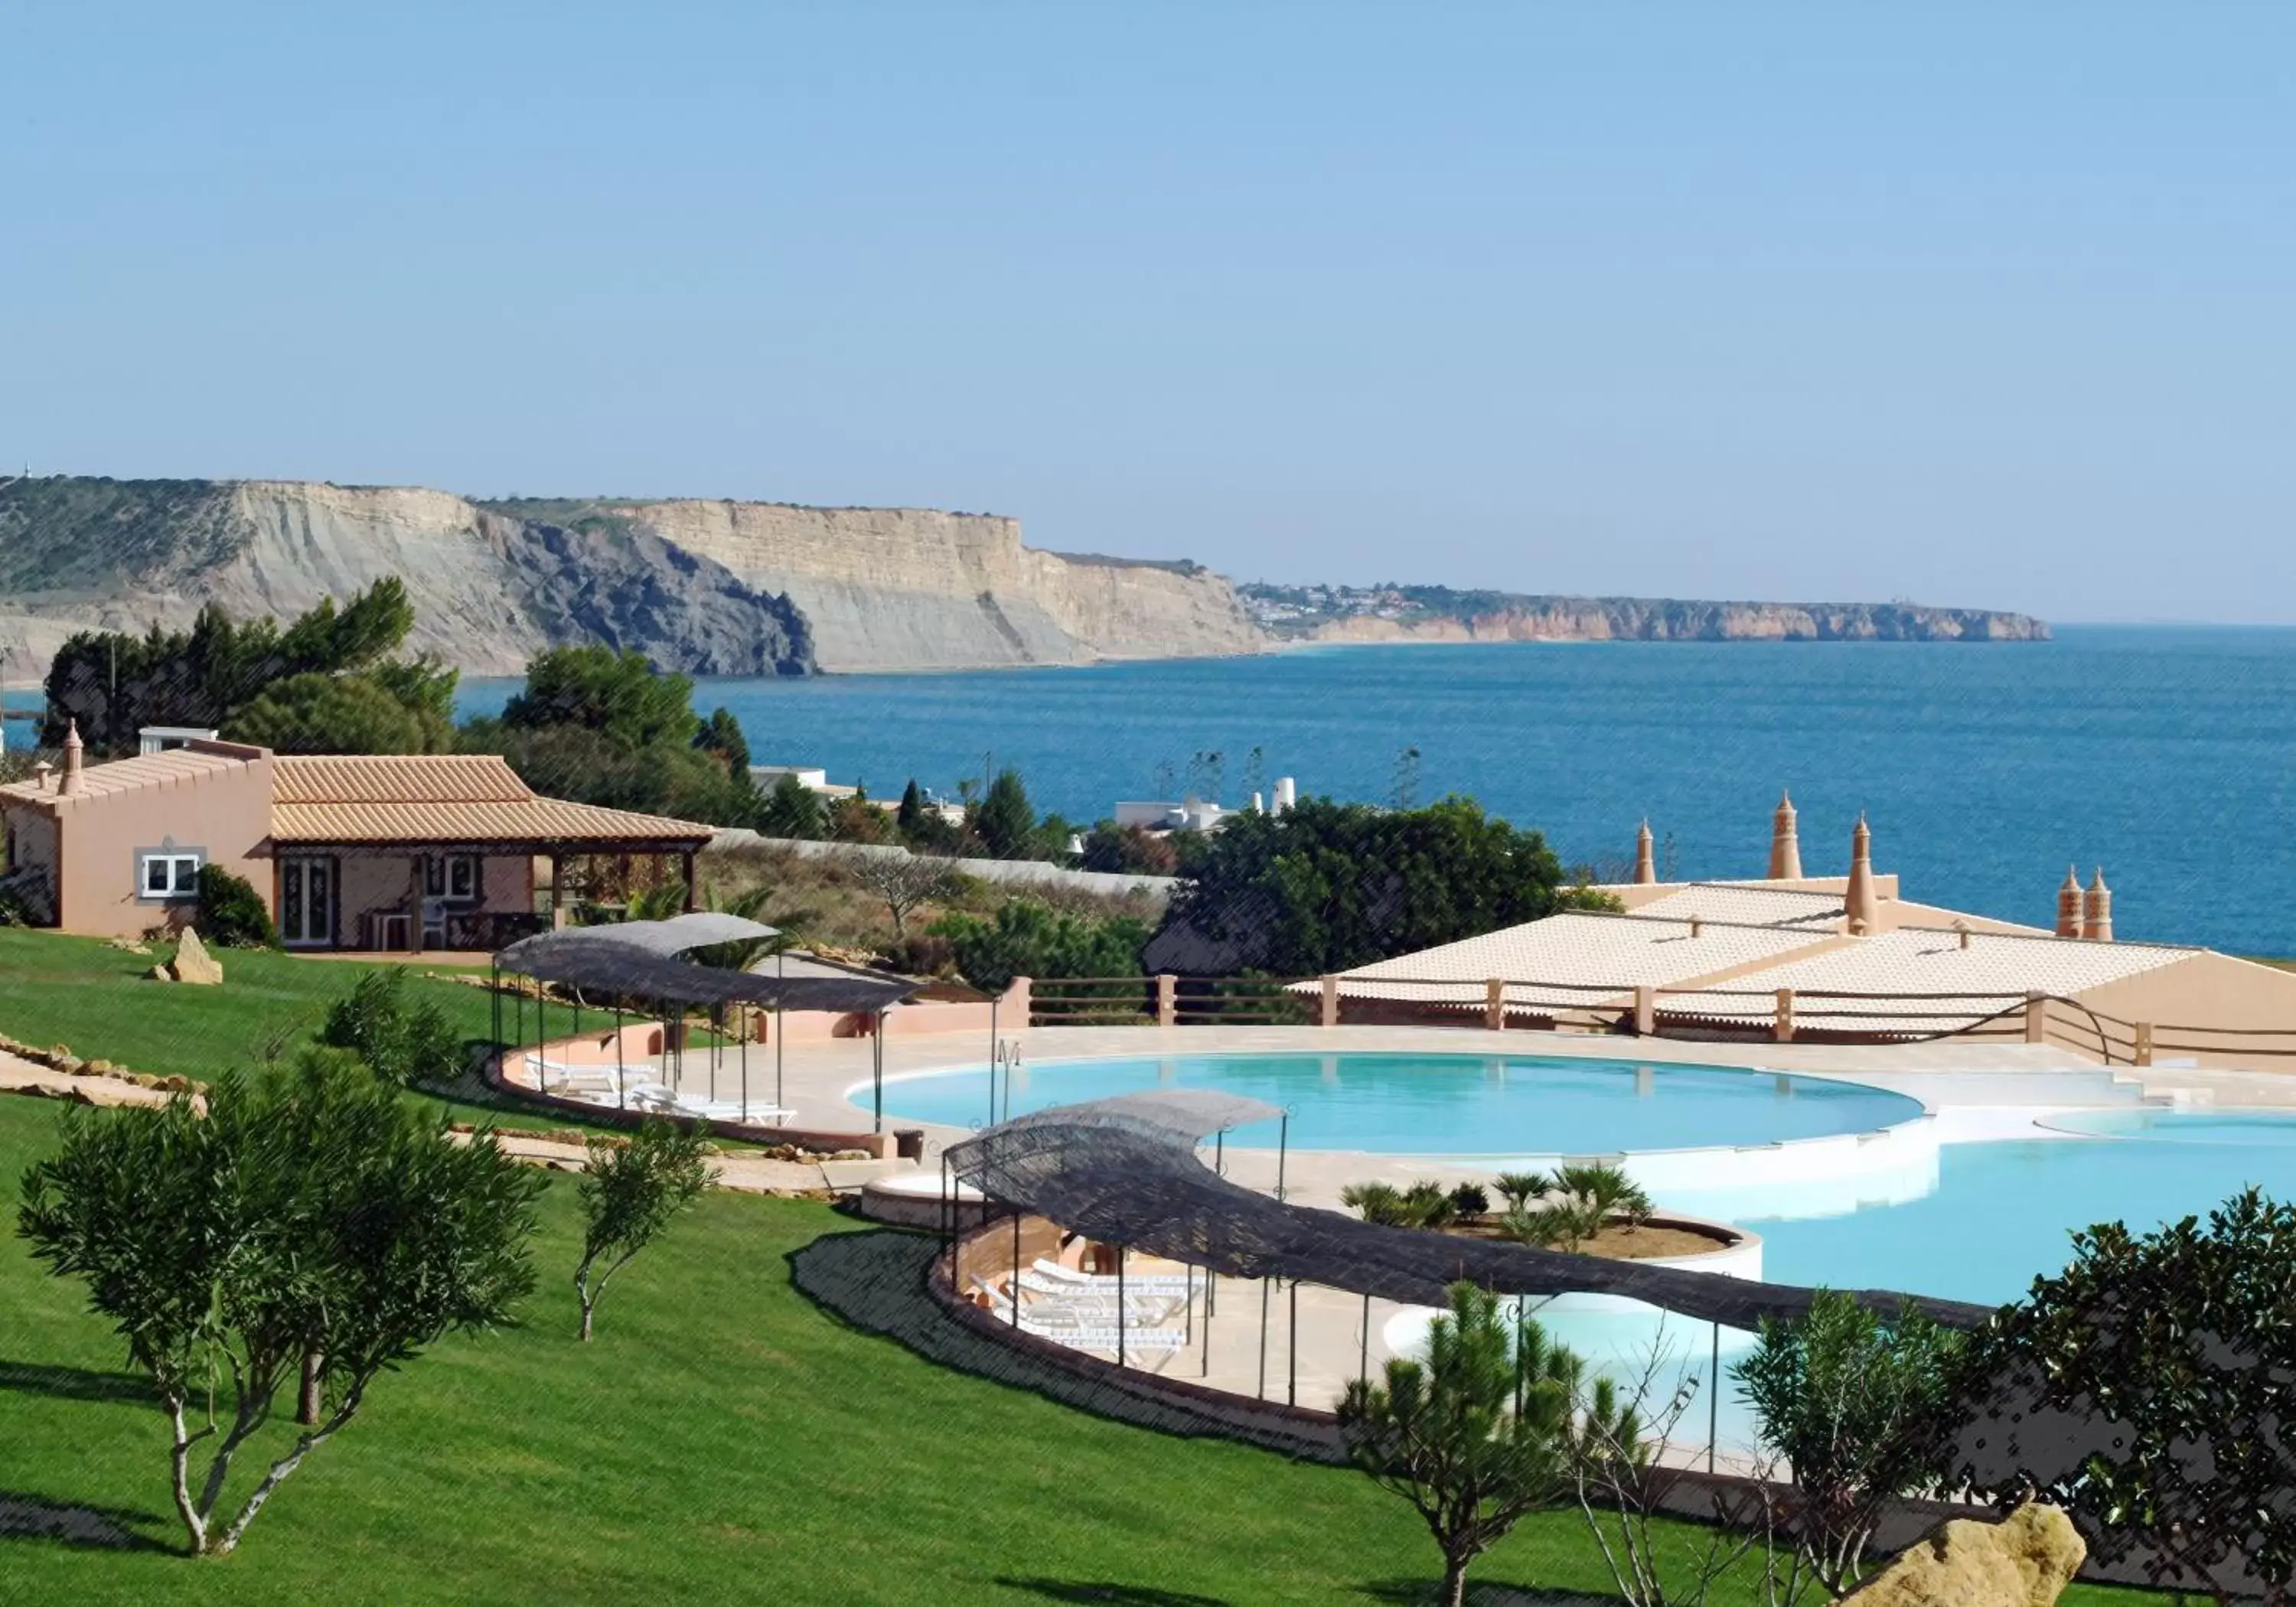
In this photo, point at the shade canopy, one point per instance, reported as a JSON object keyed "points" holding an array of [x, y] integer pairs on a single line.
{"points": [[1124, 1173], [646, 958]]}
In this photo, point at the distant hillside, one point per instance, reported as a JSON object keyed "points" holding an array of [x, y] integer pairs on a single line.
{"points": [[1438, 613], [706, 587], [747, 588]]}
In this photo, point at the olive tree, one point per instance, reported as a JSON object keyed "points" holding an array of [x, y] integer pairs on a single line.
{"points": [[1475, 1438], [2144, 1389], [1855, 1403], [308, 1220], [630, 1193], [903, 881]]}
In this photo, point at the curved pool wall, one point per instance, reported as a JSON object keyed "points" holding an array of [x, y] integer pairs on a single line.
{"points": [[2186, 1124], [1493, 1109]]}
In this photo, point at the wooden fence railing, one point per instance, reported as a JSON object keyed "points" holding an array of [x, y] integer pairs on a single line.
{"points": [[1780, 1015]]}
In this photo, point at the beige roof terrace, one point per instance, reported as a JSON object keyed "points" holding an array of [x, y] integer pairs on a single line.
{"points": [[1991, 972], [1746, 904], [1584, 959]]}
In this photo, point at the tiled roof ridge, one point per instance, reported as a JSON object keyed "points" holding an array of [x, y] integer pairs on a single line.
{"points": [[1703, 920], [2048, 937]]}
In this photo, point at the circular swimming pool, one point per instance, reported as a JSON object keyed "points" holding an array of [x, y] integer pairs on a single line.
{"points": [[1442, 1105]]}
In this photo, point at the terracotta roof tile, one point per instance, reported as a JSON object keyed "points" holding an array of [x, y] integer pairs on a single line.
{"points": [[462, 797], [396, 778], [127, 774]]}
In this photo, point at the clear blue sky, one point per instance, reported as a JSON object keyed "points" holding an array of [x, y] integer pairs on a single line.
{"points": [[1978, 304]]}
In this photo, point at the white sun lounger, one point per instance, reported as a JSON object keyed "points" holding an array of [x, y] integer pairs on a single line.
{"points": [[730, 1110], [1152, 1283]]}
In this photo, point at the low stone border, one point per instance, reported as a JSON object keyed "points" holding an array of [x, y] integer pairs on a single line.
{"points": [[60, 1058]]}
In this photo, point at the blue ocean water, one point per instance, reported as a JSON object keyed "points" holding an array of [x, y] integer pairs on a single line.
{"points": [[2166, 754]]}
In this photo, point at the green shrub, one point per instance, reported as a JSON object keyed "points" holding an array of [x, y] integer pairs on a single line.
{"points": [[1851, 1400], [401, 1044], [1027, 938], [231, 915]]}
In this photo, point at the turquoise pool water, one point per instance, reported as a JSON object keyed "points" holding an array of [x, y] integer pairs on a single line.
{"points": [[2004, 1213], [1445, 1104]]}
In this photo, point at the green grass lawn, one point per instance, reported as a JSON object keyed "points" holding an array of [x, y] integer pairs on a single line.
{"points": [[722, 1439], [98, 1002]]}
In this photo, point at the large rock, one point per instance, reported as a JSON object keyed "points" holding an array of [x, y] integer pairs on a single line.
{"points": [[192, 963], [2023, 1561]]}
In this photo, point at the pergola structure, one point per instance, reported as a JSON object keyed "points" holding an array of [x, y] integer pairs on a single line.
{"points": [[652, 960], [1126, 1172]]}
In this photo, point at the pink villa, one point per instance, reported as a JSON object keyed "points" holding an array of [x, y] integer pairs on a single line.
{"points": [[396, 852]]}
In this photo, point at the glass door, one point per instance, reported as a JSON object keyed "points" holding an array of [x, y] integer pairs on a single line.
{"points": [[307, 903]]}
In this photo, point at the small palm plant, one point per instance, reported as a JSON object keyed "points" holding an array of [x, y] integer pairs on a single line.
{"points": [[1430, 1205], [1519, 1189], [1379, 1202], [1610, 1190], [1566, 1224]]}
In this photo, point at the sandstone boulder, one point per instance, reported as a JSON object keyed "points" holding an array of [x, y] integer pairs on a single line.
{"points": [[2023, 1561], [194, 963]]}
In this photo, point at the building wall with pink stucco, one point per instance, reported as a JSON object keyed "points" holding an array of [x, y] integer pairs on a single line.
{"points": [[225, 815]]}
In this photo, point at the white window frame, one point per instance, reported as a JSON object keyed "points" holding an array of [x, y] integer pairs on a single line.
{"points": [[182, 873], [438, 878], [475, 889]]}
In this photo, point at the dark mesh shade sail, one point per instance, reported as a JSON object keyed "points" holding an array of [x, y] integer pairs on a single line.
{"points": [[641, 958], [1107, 1170]]}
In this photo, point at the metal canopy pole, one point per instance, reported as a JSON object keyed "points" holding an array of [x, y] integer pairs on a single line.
{"points": [[1363, 1350], [1520, 1358], [996, 1057], [621, 1071], [1265, 1290], [1283, 1149], [1292, 1352], [781, 970], [717, 1033], [1714, 1398], [877, 1074], [1211, 1280], [1015, 1289], [1120, 1305], [745, 1062]]}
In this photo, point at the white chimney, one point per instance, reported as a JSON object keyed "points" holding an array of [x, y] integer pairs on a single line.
{"points": [[1287, 793]]}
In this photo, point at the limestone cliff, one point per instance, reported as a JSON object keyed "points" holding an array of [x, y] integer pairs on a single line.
{"points": [[708, 587], [1441, 614], [915, 588]]}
